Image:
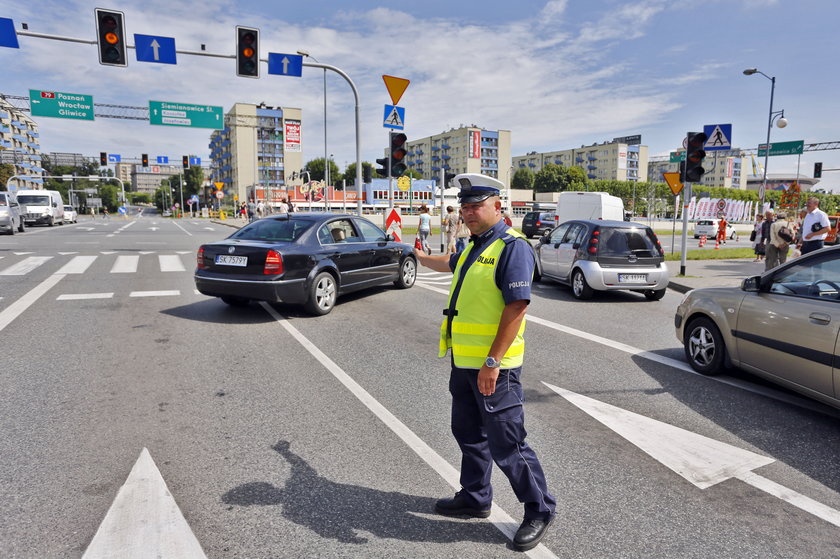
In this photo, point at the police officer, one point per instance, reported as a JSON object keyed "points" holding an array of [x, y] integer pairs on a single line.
{"points": [[483, 325]]}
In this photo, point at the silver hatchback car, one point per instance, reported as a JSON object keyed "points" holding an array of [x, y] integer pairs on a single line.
{"points": [[782, 325], [10, 218]]}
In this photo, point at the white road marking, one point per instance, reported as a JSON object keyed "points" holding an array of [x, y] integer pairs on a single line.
{"points": [[20, 253], [502, 520], [147, 251], [25, 266], [178, 225], [15, 309], [701, 460], [171, 293], [79, 296], [107, 252], [77, 265], [183, 252], [144, 520], [125, 264], [171, 263], [66, 253]]}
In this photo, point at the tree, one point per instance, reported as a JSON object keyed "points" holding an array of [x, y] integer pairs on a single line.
{"points": [[350, 172], [316, 170], [575, 179], [550, 178], [523, 179], [7, 171]]}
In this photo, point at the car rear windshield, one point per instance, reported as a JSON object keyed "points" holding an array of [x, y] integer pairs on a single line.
{"points": [[34, 200], [273, 230], [623, 241], [3, 201]]}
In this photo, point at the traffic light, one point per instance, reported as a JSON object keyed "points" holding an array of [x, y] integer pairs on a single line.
{"points": [[185, 161], [145, 159], [447, 178], [247, 52], [110, 35], [367, 174], [398, 153], [694, 155], [103, 159], [383, 164], [817, 170]]}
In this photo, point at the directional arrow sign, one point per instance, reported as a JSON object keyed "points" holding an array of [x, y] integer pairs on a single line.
{"points": [[155, 49], [285, 64], [700, 460], [57, 104], [166, 113]]}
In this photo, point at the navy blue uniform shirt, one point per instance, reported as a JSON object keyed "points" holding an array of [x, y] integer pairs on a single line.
{"points": [[515, 270]]}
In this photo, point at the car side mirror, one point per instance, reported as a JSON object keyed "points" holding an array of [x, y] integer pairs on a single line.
{"points": [[751, 284], [544, 240], [55, 205], [390, 237]]}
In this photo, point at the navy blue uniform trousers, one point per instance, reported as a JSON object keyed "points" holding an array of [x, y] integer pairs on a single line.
{"points": [[492, 429]]}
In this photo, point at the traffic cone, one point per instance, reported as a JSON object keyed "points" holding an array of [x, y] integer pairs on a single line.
{"points": [[702, 241], [717, 243]]}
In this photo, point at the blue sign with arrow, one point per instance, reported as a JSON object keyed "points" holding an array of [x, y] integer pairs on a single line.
{"points": [[114, 158], [8, 37], [285, 64], [719, 137], [163, 159], [154, 49], [195, 161]]}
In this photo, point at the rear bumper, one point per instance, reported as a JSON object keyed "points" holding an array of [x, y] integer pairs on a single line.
{"points": [[274, 291], [607, 279]]}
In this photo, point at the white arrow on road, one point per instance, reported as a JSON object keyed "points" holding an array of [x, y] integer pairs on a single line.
{"points": [[209, 229], [144, 520], [155, 46], [702, 461]]}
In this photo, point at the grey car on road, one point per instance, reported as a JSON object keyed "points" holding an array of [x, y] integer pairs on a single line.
{"points": [[782, 326], [10, 218]]}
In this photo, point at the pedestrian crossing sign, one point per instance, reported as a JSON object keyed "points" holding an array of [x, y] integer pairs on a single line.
{"points": [[394, 117], [719, 137]]}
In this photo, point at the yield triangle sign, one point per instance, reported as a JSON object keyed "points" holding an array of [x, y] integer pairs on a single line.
{"points": [[396, 87]]}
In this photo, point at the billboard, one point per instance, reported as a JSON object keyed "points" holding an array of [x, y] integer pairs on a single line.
{"points": [[292, 128], [475, 144]]}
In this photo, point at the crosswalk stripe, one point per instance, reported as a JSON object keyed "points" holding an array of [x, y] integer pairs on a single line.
{"points": [[125, 264], [171, 263], [77, 265], [25, 266]]}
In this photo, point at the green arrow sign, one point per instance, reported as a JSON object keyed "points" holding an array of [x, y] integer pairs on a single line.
{"points": [[783, 148], [165, 113], [56, 104]]}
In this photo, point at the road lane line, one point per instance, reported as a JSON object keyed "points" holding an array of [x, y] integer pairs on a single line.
{"points": [[182, 229], [798, 500], [80, 296], [25, 266], [125, 264], [498, 517], [171, 263], [765, 391], [172, 293], [16, 309], [77, 265]]}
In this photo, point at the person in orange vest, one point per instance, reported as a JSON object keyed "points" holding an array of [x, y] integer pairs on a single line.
{"points": [[721, 235]]}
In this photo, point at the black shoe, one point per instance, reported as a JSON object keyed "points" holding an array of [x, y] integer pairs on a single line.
{"points": [[530, 533], [459, 505]]}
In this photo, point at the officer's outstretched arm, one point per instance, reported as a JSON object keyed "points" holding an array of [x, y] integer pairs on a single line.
{"points": [[438, 262]]}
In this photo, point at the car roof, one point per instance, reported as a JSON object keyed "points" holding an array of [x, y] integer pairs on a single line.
{"points": [[609, 223]]}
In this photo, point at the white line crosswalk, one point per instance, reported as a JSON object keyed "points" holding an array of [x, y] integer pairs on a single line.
{"points": [[25, 266], [74, 263]]}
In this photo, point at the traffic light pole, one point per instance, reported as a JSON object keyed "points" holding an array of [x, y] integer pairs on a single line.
{"points": [[686, 199], [390, 178], [442, 188]]}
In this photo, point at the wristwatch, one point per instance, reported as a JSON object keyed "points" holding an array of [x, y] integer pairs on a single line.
{"points": [[492, 362]]}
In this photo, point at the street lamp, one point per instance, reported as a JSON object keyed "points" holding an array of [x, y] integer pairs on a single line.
{"points": [[326, 167], [782, 122]]}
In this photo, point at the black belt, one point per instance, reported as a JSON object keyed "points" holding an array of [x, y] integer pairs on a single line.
{"points": [[446, 312]]}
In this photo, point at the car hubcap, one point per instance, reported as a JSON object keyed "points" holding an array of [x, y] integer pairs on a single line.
{"points": [[577, 284], [409, 272], [325, 293], [701, 346]]}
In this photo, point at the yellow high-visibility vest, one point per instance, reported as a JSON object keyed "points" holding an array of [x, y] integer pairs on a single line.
{"points": [[478, 310]]}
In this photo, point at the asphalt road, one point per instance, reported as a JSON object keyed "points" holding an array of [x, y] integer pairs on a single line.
{"points": [[283, 435]]}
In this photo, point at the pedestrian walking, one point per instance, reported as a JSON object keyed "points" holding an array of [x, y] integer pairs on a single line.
{"points": [[260, 209], [450, 225], [283, 207], [463, 233], [781, 235], [252, 210], [755, 237], [425, 228], [483, 327], [815, 226]]}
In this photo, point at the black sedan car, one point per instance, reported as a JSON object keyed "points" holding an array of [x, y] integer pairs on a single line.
{"points": [[302, 258]]}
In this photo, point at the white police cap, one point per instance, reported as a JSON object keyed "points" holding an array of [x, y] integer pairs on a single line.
{"points": [[476, 187]]}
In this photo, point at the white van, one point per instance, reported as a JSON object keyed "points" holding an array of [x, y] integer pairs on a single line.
{"points": [[41, 206], [588, 205]]}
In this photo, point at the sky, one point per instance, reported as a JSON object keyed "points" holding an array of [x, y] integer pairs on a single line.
{"points": [[558, 74]]}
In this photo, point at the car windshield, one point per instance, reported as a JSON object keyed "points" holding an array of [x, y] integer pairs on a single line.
{"points": [[68, 208], [274, 230], [34, 200], [3, 201], [622, 241]]}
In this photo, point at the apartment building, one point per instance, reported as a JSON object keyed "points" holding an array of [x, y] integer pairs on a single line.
{"points": [[256, 152], [623, 159], [468, 149], [19, 146]]}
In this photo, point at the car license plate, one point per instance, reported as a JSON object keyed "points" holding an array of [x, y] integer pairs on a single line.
{"points": [[227, 260], [632, 278]]}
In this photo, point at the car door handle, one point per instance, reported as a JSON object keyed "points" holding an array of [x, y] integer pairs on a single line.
{"points": [[820, 317]]}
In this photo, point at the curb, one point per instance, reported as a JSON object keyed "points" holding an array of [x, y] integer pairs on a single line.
{"points": [[679, 287], [226, 223]]}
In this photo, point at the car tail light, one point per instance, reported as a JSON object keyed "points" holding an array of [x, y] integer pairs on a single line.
{"points": [[593, 242], [658, 244], [199, 258], [539, 223], [273, 263]]}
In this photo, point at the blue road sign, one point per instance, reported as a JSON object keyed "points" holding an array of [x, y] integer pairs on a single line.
{"points": [[394, 117], [8, 37], [719, 137], [285, 64], [154, 49], [121, 209], [114, 158], [195, 161], [162, 159]]}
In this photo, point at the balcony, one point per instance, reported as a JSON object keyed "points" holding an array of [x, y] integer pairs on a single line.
{"points": [[444, 146], [5, 129], [591, 157], [435, 148], [579, 159], [447, 167], [435, 168], [591, 167], [591, 176], [435, 158], [447, 157], [532, 164]]}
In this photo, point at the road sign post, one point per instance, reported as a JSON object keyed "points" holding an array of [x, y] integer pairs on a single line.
{"points": [[165, 113]]}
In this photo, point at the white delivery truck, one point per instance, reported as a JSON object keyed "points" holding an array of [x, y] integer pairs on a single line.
{"points": [[588, 205], [41, 206]]}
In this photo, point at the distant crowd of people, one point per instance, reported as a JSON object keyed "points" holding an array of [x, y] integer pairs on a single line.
{"points": [[252, 211], [774, 235]]}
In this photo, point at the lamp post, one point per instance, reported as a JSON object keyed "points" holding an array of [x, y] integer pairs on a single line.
{"points": [[772, 116], [326, 166]]}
